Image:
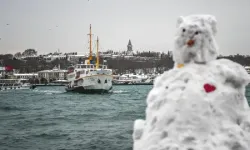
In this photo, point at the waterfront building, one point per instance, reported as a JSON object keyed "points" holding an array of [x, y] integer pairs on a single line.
{"points": [[25, 75], [52, 75]]}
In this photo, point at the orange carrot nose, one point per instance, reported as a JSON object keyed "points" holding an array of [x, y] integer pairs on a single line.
{"points": [[190, 43]]}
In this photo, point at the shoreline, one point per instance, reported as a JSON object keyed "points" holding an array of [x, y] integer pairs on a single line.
{"points": [[113, 84]]}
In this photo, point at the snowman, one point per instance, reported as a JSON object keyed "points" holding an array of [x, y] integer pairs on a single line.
{"points": [[199, 104]]}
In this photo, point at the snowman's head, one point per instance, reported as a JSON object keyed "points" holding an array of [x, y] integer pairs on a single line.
{"points": [[196, 33]]}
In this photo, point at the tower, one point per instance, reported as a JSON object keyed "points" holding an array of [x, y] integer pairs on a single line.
{"points": [[129, 48]]}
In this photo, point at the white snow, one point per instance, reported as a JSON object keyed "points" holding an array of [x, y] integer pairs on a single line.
{"points": [[181, 115], [201, 29]]}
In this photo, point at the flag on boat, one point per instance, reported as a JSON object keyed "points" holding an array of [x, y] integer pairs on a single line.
{"points": [[71, 69], [8, 68]]}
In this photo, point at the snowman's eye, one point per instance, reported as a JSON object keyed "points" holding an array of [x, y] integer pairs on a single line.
{"points": [[183, 30], [197, 32]]}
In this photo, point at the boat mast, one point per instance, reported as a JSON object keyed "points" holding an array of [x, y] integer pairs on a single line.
{"points": [[97, 53], [90, 45]]}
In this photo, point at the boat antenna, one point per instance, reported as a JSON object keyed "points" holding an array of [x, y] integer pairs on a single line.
{"points": [[97, 53], [90, 45]]}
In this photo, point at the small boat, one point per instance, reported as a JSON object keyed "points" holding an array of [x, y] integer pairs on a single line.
{"points": [[58, 83], [15, 84], [8, 80], [89, 77]]}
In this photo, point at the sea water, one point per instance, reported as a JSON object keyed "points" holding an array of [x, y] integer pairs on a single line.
{"points": [[48, 118]]}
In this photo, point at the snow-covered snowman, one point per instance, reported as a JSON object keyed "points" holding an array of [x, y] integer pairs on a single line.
{"points": [[194, 41], [200, 103]]}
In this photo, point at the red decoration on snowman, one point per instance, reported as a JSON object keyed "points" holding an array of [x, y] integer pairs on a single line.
{"points": [[209, 88]]}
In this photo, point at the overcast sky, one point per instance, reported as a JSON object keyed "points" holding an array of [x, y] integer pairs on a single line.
{"points": [[150, 24]]}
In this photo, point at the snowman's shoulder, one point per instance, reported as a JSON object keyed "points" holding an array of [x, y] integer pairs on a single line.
{"points": [[228, 64], [231, 71]]}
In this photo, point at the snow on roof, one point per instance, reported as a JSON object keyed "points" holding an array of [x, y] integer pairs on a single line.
{"points": [[197, 107]]}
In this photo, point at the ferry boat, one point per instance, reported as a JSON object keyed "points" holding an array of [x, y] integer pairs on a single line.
{"points": [[8, 80], [15, 84], [89, 77]]}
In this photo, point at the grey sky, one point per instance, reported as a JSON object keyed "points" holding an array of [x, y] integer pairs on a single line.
{"points": [[150, 24]]}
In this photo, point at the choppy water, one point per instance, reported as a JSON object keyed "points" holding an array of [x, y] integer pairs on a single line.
{"points": [[47, 118]]}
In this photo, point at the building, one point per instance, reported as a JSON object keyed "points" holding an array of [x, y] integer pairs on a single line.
{"points": [[76, 58], [26, 76], [129, 48], [57, 55], [52, 75]]}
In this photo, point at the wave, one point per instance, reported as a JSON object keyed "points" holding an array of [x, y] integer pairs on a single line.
{"points": [[49, 91], [119, 91]]}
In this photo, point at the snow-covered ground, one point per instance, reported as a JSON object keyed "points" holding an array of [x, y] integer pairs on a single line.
{"points": [[197, 107]]}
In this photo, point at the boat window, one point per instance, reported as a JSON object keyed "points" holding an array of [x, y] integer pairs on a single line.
{"points": [[83, 72], [78, 74]]}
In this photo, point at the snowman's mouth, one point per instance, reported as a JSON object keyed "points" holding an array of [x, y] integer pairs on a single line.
{"points": [[190, 43]]}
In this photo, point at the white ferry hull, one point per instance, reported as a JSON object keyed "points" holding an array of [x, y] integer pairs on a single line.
{"points": [[92, 84]]}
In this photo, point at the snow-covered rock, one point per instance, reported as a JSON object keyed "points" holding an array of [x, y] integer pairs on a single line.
{"points": [[201, 106], [181, 115]]}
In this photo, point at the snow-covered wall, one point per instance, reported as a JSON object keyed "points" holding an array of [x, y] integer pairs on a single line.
{"points": [[197, 107]]}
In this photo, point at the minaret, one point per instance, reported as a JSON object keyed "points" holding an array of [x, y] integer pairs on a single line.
{"points": [[129, 48]]}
